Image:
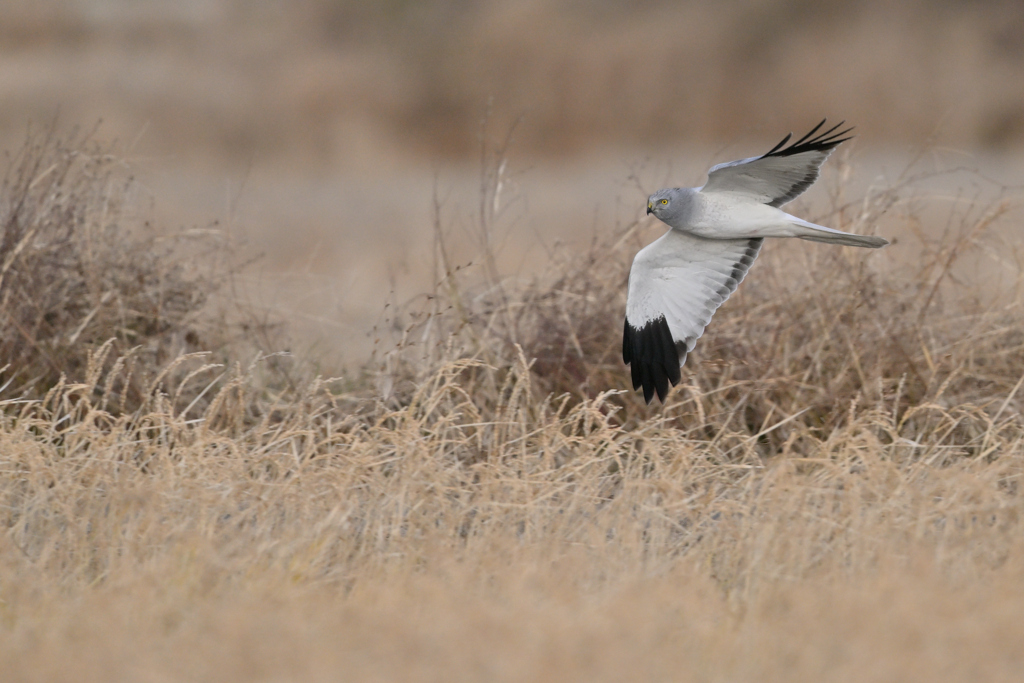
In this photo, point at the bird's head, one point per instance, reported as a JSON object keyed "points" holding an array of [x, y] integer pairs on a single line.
{"points": [[659, 202]]}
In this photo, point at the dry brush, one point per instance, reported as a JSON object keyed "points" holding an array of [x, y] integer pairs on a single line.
{"points": [[847, 425]]}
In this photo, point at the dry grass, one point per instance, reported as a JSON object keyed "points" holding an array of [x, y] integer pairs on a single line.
{"points": [[834, 495], [80, 267]]}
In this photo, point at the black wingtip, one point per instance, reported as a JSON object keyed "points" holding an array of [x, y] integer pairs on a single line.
{"points": [[813, 141], [779, 146], [653, 356]]}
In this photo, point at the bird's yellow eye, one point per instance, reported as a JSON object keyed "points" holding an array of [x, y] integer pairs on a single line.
{"points": [[664, 201]]}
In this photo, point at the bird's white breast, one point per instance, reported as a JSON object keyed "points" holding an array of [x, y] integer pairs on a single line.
{"points": [[725, 215]]}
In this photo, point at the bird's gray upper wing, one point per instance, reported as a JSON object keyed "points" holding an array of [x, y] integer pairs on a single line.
{"points": [[676, 284], [783, 173]]}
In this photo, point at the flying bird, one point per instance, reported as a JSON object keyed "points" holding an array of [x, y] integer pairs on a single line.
{"points": [[678, 281]]}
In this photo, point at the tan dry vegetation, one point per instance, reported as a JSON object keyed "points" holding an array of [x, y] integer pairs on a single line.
{"points": [[834, 494], [81, 266]]}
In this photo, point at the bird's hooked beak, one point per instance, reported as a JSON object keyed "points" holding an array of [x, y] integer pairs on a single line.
{"points": [[650, 209]]}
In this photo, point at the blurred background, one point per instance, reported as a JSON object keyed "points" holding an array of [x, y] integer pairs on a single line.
{"points": [[331, 136]]}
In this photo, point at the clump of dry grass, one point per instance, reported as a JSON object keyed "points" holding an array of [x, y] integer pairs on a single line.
{"points": [[80, 266], [505, 511]]}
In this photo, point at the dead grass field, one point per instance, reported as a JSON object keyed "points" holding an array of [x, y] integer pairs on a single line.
{"points": [[448, 479], [833, 494]]}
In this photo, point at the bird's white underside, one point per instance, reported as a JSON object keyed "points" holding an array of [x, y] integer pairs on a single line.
{"points": [[684, 278]]}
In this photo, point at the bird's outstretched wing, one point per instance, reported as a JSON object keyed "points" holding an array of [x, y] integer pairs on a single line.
{"points": [[676, 284], [783, 173]]}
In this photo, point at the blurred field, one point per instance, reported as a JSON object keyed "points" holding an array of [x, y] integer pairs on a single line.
{"points": [[447, 478], [363, 84]]}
